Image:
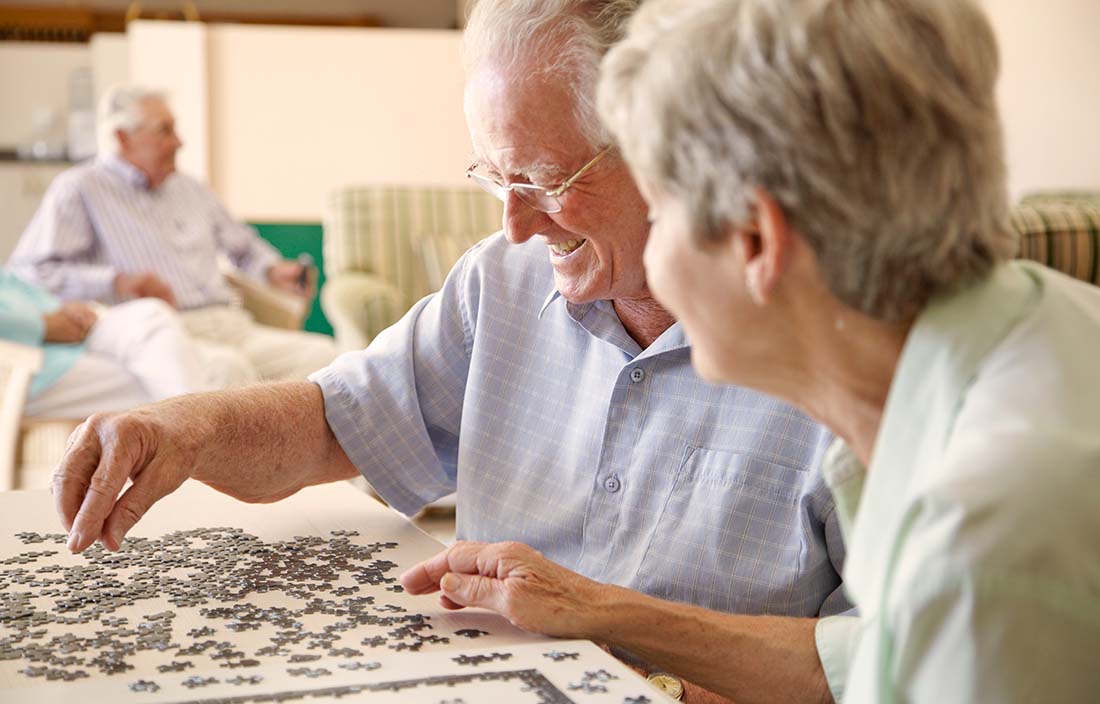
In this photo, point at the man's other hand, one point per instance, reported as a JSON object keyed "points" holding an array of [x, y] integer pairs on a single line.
{"points": [[103, 453], [290, 276], [514, 580], [143, 285], [69, 324]]}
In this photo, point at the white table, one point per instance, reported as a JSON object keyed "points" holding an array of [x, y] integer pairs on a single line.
{"points": [[215, 600]]}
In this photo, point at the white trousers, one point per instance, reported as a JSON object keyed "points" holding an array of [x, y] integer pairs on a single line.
{"points": [[136, 353], [274, 354]]}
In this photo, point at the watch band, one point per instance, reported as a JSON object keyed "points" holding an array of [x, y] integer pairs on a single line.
{"points": [[671, 685]]}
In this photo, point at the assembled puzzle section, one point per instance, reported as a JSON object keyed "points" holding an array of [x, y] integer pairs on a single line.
{"points": [[259, 603]]}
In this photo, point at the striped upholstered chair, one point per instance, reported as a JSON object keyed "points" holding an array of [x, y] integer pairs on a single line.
{"points": [[1062, 231], [374, 246]]}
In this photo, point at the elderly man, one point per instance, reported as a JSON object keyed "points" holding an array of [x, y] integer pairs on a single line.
{"points": [[543, 381], [128, 226]]}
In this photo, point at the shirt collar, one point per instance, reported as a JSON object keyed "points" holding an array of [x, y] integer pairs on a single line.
{"points": [[547, 301], [576, 311], [671, 340], [132, 174]]}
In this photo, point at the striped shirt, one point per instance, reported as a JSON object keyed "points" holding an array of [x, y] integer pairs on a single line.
{"points": [[101, 218], [558, 430]]}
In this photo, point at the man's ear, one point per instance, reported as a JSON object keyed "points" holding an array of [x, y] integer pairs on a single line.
{"points": [[766, 245], [123, 137]]}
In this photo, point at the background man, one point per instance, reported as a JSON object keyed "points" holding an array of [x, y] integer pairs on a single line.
{"points": [[127, 225]]}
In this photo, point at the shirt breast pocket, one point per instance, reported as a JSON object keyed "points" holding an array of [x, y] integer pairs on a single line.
{"points": [[188, 233], [731, 535]]}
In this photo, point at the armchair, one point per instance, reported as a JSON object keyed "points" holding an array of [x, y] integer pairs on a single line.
{"points": [[373, 239], [269, 305], [1062, 231], [18, 364]]}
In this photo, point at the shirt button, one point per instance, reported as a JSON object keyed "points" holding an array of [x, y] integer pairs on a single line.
{"points": [[637, 374], [612, 484]]}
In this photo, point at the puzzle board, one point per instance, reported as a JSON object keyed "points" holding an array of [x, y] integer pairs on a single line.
{"points": [[213, 600]]}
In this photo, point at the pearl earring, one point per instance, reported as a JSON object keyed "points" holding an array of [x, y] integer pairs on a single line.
{"points": [[753, 289]]}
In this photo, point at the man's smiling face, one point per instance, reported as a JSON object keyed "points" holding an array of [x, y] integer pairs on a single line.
{"points": [[524, 130]]}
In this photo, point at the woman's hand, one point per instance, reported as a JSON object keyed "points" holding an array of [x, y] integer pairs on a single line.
{"points": [[514, 580], [69, 324]]}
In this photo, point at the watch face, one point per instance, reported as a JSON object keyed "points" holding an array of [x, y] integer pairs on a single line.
{"points": [[667, 684]]}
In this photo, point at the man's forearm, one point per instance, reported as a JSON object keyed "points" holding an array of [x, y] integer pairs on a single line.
{"points": [[746, 658], [263, 443]]}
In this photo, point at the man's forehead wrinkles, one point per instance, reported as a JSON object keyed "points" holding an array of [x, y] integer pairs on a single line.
{"points": [[531, 169], [535, 172]]}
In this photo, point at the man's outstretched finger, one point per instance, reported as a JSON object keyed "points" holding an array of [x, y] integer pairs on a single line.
{"points": [[99, 499], [147, 489], [70, 479]]}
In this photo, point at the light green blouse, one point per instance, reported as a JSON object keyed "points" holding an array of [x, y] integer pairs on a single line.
{"points": [[974, 540], [21, 309]]}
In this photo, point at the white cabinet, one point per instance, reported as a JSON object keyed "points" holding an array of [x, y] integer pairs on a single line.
{"points": [[22, 184]]}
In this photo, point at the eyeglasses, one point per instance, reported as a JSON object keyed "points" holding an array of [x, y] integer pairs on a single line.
{"points": [[544, 200]]}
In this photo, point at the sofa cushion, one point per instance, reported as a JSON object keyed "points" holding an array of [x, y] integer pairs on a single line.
{"points": [[379, 229], [1061, 232]]}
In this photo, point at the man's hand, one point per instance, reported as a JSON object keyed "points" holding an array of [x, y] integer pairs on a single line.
{"points": [[259, 444], [103, 453], [143, 285], [290, 276], [69, 324], [514, 580]]}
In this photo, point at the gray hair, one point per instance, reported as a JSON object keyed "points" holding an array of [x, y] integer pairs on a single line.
{"points": [[872, 122], [557, 37], [120, 109]]}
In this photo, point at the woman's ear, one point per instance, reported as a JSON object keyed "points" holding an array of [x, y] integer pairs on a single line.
{"points": [[765, 244]]}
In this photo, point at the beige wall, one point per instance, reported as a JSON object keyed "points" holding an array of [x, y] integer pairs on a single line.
{"points": [[110, 52], [277, 117], [173, 56], [295, 113], [1050, 91]]}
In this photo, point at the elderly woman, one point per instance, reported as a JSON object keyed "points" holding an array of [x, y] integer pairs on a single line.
{"points": [[827, 192]]}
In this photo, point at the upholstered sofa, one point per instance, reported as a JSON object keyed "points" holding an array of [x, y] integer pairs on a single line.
{"points": [[1062, 230]]}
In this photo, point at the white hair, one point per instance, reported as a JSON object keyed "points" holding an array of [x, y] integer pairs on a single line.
{"points": [[872, 122], [564, 38], [120, 109]]}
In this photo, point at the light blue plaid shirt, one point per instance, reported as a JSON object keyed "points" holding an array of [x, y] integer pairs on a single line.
{"points": [[559, 431]]}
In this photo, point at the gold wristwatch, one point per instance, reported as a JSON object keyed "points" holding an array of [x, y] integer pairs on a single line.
{"points": [[669, 684]]}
